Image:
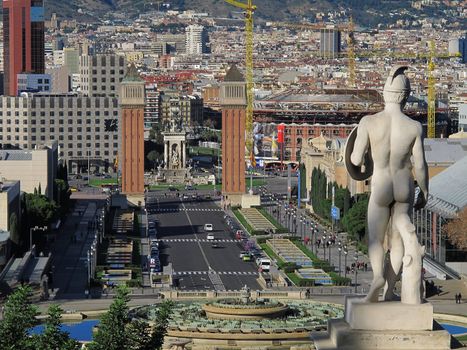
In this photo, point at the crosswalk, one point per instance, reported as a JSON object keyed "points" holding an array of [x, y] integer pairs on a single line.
{"points": [[176, 210], [192, 240], [231, 273]]}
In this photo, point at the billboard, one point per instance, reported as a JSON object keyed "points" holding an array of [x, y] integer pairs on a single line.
{"points": [[266, 140]]}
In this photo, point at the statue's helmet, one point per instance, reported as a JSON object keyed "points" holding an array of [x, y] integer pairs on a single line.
{"points": [[397, 87]]}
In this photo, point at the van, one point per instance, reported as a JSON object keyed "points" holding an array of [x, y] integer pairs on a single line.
{"points": [[264, 264], [208, 227]]}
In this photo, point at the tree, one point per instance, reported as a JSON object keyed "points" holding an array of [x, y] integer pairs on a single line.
{"points": [[118, 332], [18, 317], [112, 334], [355, 219], [456, 230], [39, 209], [160, 329], [153, 157], [53, 337], [39, 190]]}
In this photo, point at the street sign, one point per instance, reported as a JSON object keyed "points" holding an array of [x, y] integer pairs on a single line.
{"points": [[335, 213]]}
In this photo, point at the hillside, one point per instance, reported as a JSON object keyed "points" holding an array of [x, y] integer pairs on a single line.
{"points": [[365, 12]]}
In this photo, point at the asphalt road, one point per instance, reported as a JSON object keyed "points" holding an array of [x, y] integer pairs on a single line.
{"points": [[196, 264]]}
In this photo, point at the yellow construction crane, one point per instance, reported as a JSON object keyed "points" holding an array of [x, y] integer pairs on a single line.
{"points": [[431, 93], [249, 9], [351, 53]]}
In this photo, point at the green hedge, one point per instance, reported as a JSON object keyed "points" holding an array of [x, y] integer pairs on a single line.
{"points": [[300, 282], [267, 249], [339, 280]]}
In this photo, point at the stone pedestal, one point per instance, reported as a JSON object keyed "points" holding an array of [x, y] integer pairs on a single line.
{"points": [[385, 326]]}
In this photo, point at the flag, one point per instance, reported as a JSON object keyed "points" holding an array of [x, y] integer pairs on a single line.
{"points": [[116, 163], [252, 159]]}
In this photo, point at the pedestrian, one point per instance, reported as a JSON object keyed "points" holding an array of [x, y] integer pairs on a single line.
{"points": [[457, 298], [460, 298]]}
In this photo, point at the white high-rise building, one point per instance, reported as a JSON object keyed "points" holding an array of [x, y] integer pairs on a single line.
{"points": [[196, 39]]}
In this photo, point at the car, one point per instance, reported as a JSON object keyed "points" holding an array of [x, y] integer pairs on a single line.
{"points": [[152, 233], [264, 264], [155, 243], [247, 257], [194, 196], [189, 188], [208, 227], [210, 237], [151, 225], [215, 245], [185, 196], [74, 189], [243, 253], [207, 197], [172, 189]]}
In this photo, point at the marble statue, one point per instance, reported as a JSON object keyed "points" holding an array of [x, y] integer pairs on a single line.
{"points": [[175, 160], [384, 146]]}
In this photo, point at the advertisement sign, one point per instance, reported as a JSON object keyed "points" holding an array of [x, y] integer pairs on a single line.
{"points": [[266, 140]]}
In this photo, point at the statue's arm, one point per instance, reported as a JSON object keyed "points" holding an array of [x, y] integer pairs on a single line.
{"points": [[420, 167], [361, 143]]}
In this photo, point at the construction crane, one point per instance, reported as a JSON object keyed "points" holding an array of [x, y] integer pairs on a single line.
{"points": [[431, 93], [249, 10], [351, 53]]}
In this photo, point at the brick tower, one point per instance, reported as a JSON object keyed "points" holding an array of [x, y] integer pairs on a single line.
{"points": [[233, 102], [132, 132]]}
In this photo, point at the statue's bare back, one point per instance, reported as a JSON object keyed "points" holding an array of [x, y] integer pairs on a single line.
{"points": [[394, 141]]}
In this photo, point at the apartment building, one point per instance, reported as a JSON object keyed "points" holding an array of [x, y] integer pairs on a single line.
{"points": [[101, 74], [86, 128], [187, 108]]}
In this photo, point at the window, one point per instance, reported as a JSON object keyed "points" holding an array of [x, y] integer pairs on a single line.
{"points": [[70, 129]]}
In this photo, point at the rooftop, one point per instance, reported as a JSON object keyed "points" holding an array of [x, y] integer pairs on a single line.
{"points": [[15, 155], [234, 75], [448, 190], [445, 150]]}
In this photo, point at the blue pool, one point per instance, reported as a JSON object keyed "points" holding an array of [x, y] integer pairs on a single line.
{"points": [[79, 331], [452, 329]]}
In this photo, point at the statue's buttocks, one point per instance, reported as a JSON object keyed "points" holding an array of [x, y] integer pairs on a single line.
{"points": [[386, 142]]}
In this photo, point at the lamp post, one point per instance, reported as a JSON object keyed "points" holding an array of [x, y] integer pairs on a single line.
{"points": [[345, 261], [329, 248], [323, 241], [340, 253], [355, 268], [35, 228]]}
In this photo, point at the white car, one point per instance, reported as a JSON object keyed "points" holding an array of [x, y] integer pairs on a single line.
{"points": [[208, 227], [210, 237]]}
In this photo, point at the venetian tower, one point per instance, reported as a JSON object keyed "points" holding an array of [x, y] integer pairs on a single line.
{"points": [[233, 101], [132, 132]]}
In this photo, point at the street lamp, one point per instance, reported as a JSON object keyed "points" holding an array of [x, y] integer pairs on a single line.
{"points": [[345, 261], [355, 268], [35, 228], [340, 253], [329, 242], [323, 241]]}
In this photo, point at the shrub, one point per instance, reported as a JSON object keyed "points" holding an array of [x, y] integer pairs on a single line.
{"points": [[339, 280]]}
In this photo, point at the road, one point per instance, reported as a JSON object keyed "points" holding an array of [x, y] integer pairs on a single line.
{"points": [[196, 264]]}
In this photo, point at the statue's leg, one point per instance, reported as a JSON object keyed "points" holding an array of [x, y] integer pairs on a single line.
{"points": [[393, 266], [378, 218], [413, 255]]}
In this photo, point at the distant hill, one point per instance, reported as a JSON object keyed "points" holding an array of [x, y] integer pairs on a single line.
{"points": [[365, 12]]}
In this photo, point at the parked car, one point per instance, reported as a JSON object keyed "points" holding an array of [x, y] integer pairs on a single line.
{"points": [[243, 253], [208, 227], [189, 188], [215, 245], [152, 233], [264, 264], [151, 224], [247, 257], [210, 237]]}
